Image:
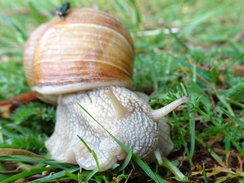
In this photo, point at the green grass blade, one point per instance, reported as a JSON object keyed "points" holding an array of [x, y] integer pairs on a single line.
{"points": [[88, 148], [126, 161], [92, 173], [56, 164], [200, 71], [236, 92], [21, 36], [35, 12], [227, 145], [196, 22], [122, 6], [126, 149], [192, 133], [71, 175], [180, 176], [236, 120], [27, 173], [175, 36], [205, 175], [148, 170], [136, 16], [55, 175], [90, 151], [226, 104]]}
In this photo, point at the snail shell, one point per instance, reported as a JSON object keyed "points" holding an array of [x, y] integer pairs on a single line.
{"points": [[84, 50]]}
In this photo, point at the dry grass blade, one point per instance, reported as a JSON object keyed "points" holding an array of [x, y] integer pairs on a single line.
{"points": [[20, 152]]}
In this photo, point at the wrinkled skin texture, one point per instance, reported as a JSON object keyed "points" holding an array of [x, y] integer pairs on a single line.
{"points": [[133, 127]]}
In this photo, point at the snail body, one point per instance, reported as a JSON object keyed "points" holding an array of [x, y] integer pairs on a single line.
{"points": [[87, 58], [121, 108]]}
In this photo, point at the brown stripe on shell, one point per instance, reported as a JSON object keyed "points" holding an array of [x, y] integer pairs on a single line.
{"points": [[93, 16], [29, 50], [55, 73]]}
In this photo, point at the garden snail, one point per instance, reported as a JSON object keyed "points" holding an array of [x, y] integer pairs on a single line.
{"points": [[87, 58]]}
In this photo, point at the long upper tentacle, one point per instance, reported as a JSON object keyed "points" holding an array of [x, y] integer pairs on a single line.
{"points": [[160, 113]]}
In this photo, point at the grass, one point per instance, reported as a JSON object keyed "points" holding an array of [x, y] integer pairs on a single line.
{"points": [[198, 60]]}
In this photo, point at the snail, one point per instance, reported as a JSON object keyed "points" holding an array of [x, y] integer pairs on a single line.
{"points": [[86, 58]]}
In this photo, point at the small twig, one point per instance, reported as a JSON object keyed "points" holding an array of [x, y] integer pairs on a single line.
{"points": [[240, 162], [227, 159], [214, 139], [183, 158], [231, 153], [129, 176], [239, 69], [24, 11], [18, 152], [212, 100], [156, 32], [222, 152], [8, 105], [17, 11], [10, 171]]}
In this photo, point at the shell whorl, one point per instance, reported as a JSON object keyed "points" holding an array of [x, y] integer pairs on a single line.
{"points": [[84, 50]]}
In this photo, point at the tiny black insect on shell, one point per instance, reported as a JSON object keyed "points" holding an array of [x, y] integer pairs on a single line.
{"points": [[62, 10]]}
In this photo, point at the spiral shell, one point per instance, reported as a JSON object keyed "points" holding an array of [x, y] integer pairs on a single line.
{"points": [[86, 49]]}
